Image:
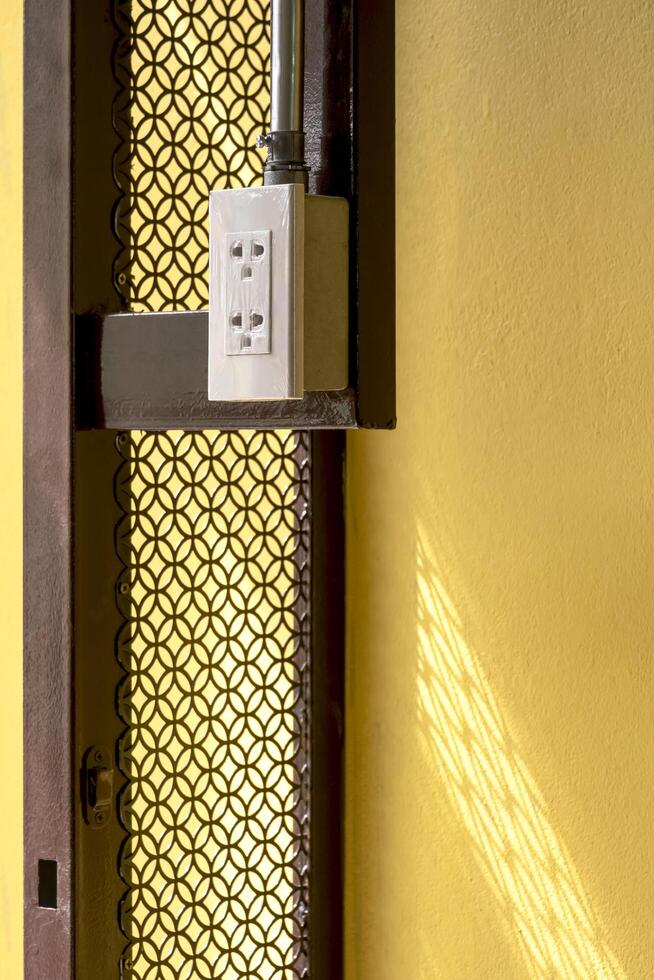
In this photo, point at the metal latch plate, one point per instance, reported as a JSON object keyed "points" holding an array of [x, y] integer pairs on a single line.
{"points": [[97, 787]]}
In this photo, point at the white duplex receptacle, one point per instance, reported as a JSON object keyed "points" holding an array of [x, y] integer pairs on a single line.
{"points": [[256, 293], [247, 287]]}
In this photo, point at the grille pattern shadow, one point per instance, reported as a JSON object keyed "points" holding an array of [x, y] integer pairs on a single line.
{"points": [[214, 595]]}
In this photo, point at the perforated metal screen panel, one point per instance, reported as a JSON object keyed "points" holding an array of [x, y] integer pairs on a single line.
{"points": [[214, 538], [193, 95]]}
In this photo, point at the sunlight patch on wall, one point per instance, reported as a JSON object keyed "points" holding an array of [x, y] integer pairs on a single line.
{"points": [[493, 794]]}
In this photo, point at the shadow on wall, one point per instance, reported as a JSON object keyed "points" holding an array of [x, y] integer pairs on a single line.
{"points": [[494, 797]]}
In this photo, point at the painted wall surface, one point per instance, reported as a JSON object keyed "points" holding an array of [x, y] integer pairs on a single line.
{"points": [[501, 541], [11, 534]]}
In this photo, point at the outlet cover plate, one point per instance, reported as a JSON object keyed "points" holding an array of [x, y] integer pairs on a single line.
{"points": [[256, 293]]}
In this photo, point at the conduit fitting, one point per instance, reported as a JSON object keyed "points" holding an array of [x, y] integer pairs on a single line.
{"points": [[285, 163]]}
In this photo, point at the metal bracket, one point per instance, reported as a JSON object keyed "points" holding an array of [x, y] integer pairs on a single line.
{"points": [[97, 787]]}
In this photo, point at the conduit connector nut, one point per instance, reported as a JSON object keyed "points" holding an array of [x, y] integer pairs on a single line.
{"points": [[285, 163]]}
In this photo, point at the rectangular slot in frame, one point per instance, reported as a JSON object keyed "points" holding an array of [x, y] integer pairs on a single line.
{"points": [[47, 884]]}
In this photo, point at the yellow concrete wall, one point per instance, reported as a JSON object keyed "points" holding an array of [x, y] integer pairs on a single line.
{"points": [[11, 886], [501, 541]]}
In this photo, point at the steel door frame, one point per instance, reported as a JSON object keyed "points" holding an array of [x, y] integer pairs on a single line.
{"points": [[50, 765], [48, 518]]}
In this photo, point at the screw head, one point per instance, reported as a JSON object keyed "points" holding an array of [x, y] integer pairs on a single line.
{"points": [[124, 588], [122, 278]]}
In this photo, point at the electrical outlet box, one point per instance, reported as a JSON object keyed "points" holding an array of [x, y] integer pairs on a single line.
{"points": [[256, 293]]}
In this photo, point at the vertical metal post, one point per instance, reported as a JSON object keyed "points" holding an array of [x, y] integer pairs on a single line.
{"points": [[285, 142], [48, 482]]}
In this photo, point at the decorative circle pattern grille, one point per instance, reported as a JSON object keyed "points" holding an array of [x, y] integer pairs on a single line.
{"points": [[214, 594], [192, 96]]}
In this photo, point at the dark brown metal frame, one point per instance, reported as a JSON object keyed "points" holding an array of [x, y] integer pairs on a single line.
{"points": [[48, 427], [327, 705], [350, 142]]}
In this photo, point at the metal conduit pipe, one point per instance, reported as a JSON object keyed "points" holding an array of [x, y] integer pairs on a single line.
{"points": [[287, 57], [285, 142]]}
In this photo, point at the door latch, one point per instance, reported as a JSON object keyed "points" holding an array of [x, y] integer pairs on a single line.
{"points": [[97, 787]]}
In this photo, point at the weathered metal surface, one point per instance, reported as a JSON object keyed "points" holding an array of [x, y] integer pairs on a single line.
{"points": [[149, 370], [48, 399]]}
